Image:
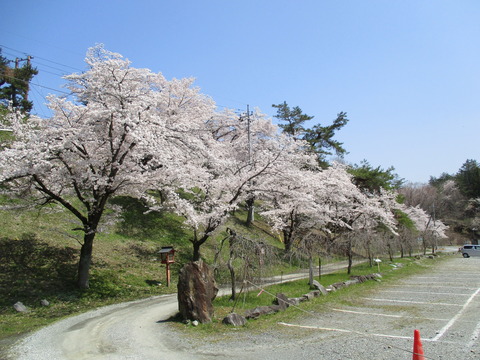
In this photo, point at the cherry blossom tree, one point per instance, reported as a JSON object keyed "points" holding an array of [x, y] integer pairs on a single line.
{"points": [[227, 176], [430, 228], [123, 131], [303, 199], [230, 172], [325, 204], [326, 199]]}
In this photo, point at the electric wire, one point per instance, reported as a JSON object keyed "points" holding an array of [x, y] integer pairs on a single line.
{"points": [[63, 73], [35, 64], [41, 108], [42, 86], [39, 57]]}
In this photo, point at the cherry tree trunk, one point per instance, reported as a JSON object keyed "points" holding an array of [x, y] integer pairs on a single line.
{"points": [[196, 292], [232, 278], [250, 211], [310, 270], [350, 256], [287, 240], [85, 261]]}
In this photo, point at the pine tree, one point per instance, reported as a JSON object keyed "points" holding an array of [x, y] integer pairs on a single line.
{"points": [[15, 84], [294, 119], [468, 179], [320, 138]]}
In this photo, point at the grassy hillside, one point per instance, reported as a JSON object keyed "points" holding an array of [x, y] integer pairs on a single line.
{"points": [[39, 253]]}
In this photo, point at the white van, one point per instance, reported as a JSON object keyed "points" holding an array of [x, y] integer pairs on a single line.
{"points": [[470, 250]]}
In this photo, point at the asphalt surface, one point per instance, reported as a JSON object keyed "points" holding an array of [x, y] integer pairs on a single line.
{"points": [[443, 304]]}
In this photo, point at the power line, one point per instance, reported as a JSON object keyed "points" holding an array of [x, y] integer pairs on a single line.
{"points": [[51, 67], [10, 54], [39, 57], [49, 88], [49, 72], [62, 71], [74, 68], [39, 108], [42, 86]]}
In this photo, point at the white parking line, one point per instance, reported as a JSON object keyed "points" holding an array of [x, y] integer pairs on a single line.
{"points": [[346, 331], [359, 333], [413, 302], [424, 292], [442, 278], [435, 286], [455, 318], [387, 315], [474, 337]]}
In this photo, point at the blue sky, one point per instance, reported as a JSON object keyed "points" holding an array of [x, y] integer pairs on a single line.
{"points": [[406, 72]]}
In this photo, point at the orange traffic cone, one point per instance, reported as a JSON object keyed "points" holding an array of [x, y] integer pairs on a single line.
{"points": [[417, 346]]}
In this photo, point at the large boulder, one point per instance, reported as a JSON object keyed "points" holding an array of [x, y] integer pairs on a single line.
{"points": [[196, 291]]}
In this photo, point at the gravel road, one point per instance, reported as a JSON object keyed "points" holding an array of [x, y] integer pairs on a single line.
{"points": [[443, 304]]}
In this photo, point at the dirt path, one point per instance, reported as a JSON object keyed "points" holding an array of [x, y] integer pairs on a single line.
{"points": [[134, 330]]}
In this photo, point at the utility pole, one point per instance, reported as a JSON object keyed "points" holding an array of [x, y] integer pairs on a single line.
{"points": [[434, 245], [28, 59], [251, 199], [249, 136]]}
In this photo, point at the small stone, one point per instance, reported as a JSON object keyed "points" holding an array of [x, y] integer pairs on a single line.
{"points": [[319, 287], [282, 301], [308, 296], [262, 310], [234, 319], [20, 307], [44, 302], [195, 322], [338, 285], [295, 301], [351, 282]]}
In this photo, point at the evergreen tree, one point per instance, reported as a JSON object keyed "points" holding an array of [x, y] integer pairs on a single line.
{"points": [[294, 119], [468, 179], [15, 84], [320, 138], [441, 180], [372, 180]]}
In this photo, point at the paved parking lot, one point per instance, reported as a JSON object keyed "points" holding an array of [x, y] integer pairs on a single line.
{"points": [[443, 304]]}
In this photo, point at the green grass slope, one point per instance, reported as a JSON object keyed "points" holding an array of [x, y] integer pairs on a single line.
{"points": [[39, 254]]}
